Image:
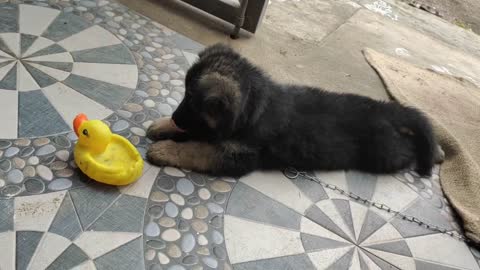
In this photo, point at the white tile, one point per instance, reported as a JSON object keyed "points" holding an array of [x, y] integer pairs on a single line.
{"points": [[191, 58], [38, 44], [276, 186], [7, 56], [249, 241], [7, 250], [359, 212], [25, 81], [355, 265], [393, 193], [386, 233], [88, 265], [57, 57], [123, 75], [60, 75], [36, 212], [96, 244], [9, 114], [69, 103], [141, 188], [5, 69], [34, 20], [323, 259], [331, 211], [336, 178], [307, 226], [402, 262], [442, 249], [370, 264], [89, 38], [50, 247], [12, 40]]}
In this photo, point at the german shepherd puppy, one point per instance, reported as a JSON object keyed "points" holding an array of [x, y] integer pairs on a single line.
{"points": [[234, 119]]}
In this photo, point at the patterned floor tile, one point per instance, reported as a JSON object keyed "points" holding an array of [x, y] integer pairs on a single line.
{"points": [[8, 103], [250, 241], [66, 222], [286, 262], [8, 18], [71, 257], [126, 257], [36, 212], [7, 250], [26, 244], [50, 247], [34, 20]]}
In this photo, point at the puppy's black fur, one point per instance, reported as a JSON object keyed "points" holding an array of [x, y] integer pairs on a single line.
{"points": [[251, 122]]}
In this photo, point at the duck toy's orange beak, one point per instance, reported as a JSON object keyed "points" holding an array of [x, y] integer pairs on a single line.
{"points": [[77, 122]]}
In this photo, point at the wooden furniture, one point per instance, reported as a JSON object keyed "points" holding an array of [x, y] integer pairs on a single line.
{"points": [[243, 14]]}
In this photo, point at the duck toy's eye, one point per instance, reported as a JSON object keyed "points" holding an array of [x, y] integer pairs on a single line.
{"points": [[85, 132]]}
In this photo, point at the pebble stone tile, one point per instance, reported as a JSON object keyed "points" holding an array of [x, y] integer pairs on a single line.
{"points": [[54, 217]]}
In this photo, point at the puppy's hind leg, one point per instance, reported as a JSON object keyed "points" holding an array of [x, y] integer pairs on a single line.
{"points": [[439, 156], [226, 158]]}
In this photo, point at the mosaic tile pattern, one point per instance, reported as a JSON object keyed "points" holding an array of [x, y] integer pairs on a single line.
{"points": [[53, 217], [47, 59], [273, 222]]}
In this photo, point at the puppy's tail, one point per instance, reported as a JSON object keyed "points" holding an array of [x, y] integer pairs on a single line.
{"points": [[424, 143]]}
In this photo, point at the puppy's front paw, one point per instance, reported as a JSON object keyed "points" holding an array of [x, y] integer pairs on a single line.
{"points": [[163, 153], [161, 129]]}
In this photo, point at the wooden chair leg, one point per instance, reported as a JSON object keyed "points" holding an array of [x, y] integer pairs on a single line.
{"points": [[240, 19]]}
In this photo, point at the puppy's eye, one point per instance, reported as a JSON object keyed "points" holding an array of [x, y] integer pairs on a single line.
{"points": [[85, 132]]}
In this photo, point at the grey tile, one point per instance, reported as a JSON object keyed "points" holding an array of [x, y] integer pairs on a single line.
{"points": [[92, 200], [407, 229], [363, 264], [125, 215], [64, 26], [343, 207], [428, 212], [33, 108], [115, 54], [127, 257], [26, 41], [8, 18], [9, 82], [40, 77], [52, 49], [294, 262], [6, 215], [58, 65], [318, 216], [372, 223], [66, 222], [344, 262], [313, 190], [248, 203], [360, 183], [317, 243], [381, 263], [5, 63], [109, 95], [26, 243], [397, 247], [5, 48], [422, 265], [70, 258]]}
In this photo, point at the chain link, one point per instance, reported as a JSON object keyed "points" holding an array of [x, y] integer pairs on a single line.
{"points": [[292, 173]]}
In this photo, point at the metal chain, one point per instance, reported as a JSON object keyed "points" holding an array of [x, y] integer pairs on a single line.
{"points": [[292, 173]]}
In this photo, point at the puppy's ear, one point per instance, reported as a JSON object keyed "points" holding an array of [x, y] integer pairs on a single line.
{"points": [[215, 105]]}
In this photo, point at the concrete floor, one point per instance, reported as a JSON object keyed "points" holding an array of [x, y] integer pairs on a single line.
{"points": [[287, 45]]}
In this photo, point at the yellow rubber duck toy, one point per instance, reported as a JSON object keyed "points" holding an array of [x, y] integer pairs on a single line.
{"points": [[103, 156]]}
